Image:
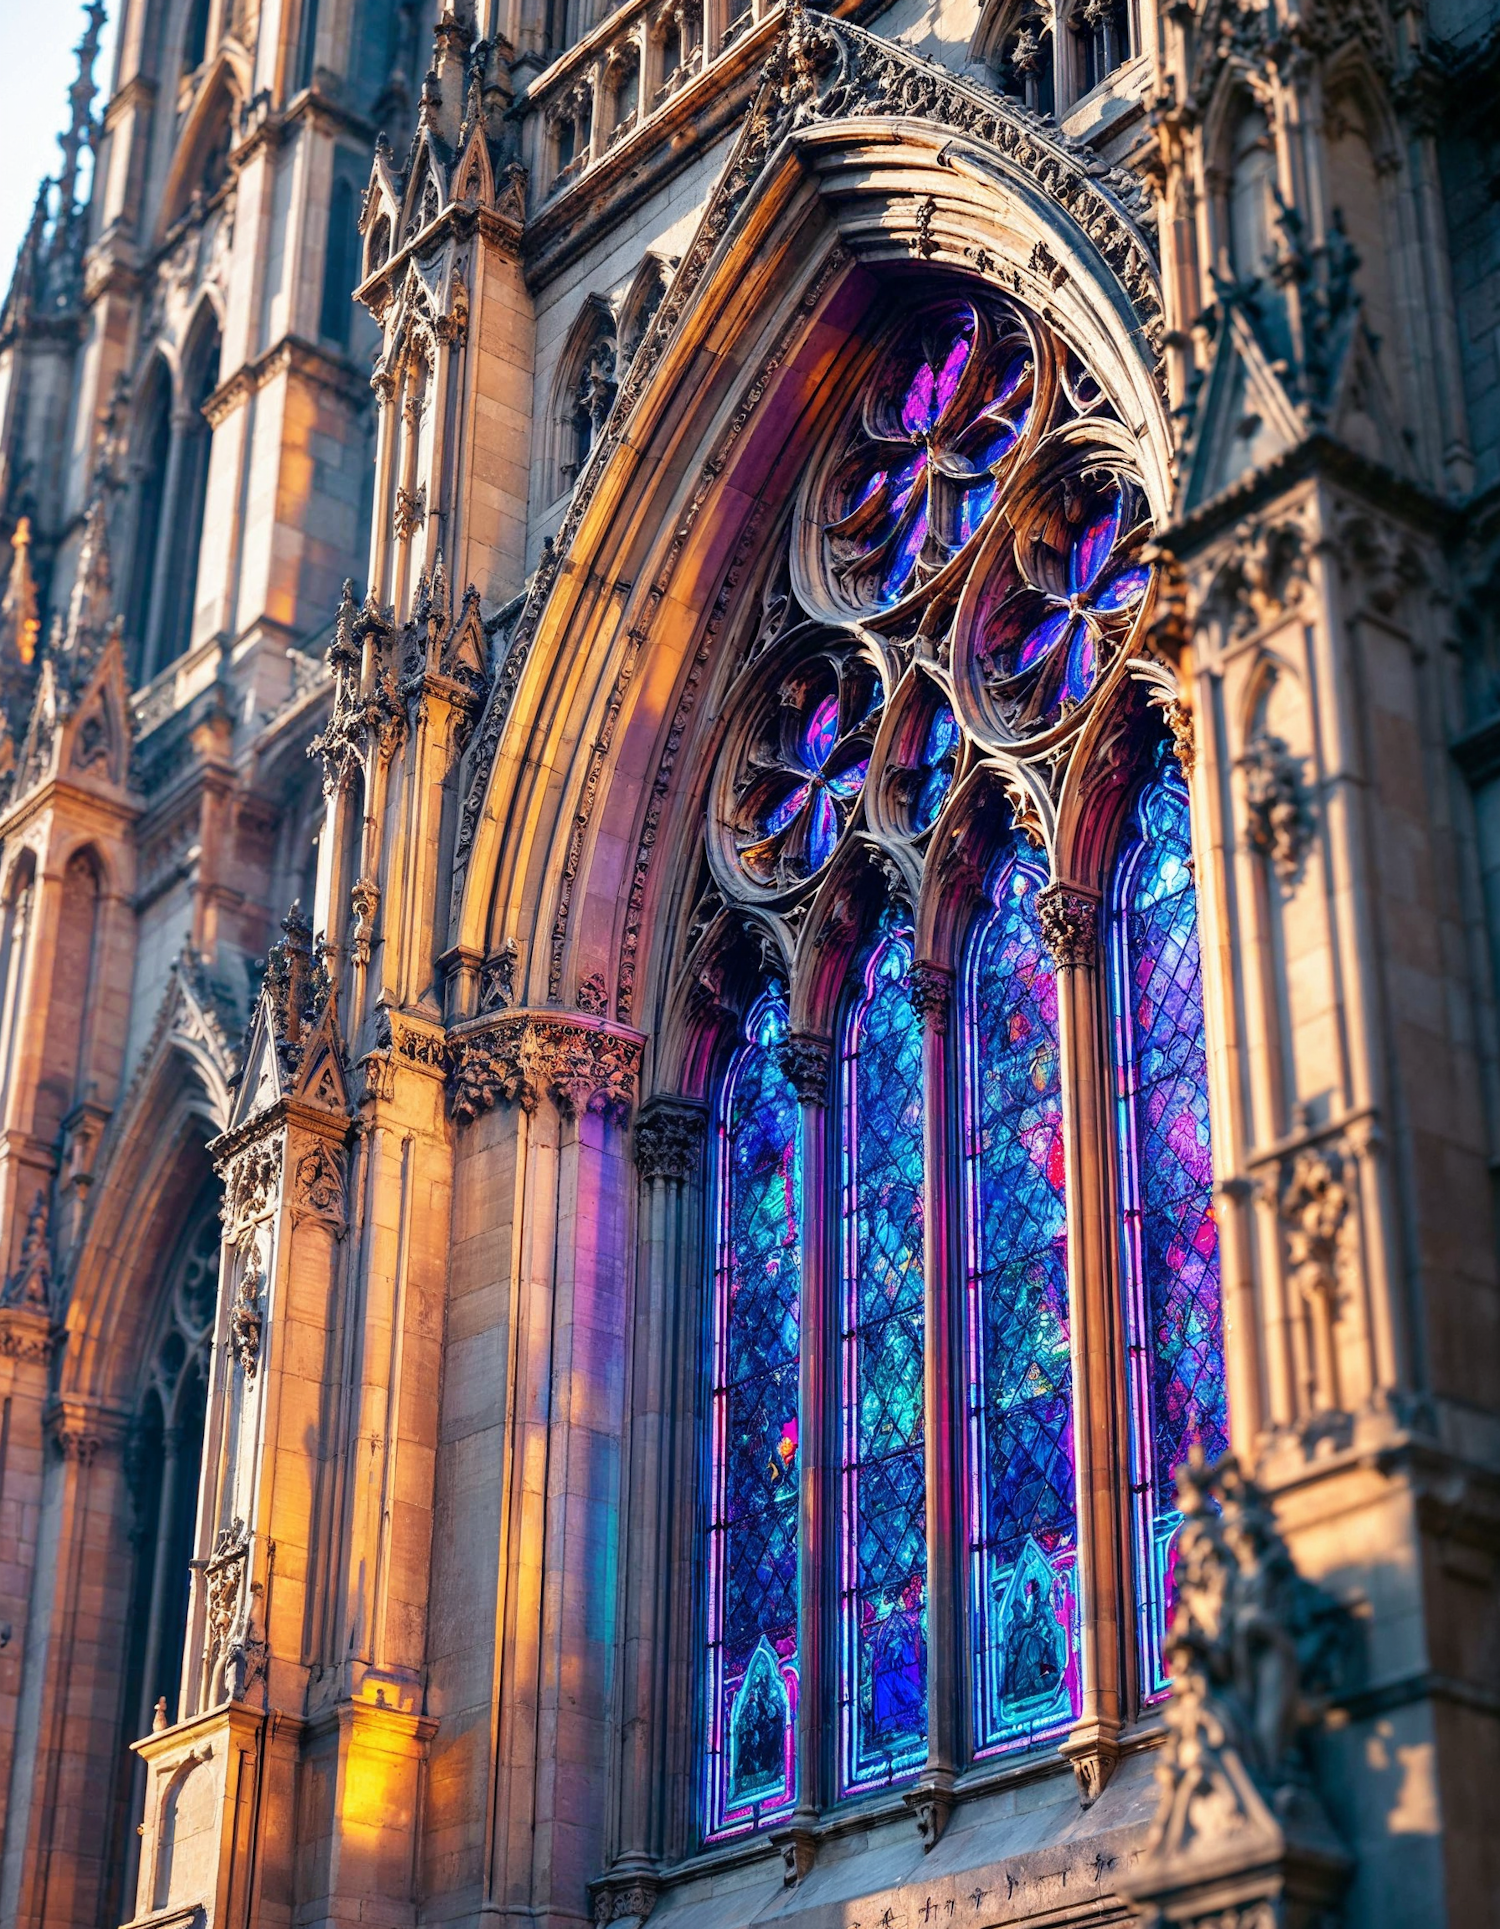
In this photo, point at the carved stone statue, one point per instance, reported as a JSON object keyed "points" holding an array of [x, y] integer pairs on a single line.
{"points": [[1239, 1835]]}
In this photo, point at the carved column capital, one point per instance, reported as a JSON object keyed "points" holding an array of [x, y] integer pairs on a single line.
{"points": [[931, 991], [518, 1058], [1070, 925], [806, 1062], [669, 1139]]}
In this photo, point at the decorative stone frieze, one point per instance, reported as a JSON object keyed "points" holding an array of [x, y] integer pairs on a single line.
{"points": [[1070, 925], [318, 1186], [578, 1062], [247, 1310], [669, 1139]]}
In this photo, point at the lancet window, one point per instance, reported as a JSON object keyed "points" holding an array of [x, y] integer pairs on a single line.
{"points": [[977, 1021]]}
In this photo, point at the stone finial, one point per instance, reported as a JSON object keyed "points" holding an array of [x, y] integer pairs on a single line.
{"points": [[19, 613]]}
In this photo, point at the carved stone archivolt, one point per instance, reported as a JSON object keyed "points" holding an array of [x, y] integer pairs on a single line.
{"points": [[523, 1057]]}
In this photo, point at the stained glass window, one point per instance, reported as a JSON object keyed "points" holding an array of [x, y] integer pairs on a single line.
{"points": [[1170, 1242], [883, 1579], [752, 1539], [1023, 1529]]}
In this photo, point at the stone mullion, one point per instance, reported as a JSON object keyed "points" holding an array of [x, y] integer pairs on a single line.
{"points": [[1220, 902], [807, 1063], [661, 1512], [1070, 923], [942, 1376]]}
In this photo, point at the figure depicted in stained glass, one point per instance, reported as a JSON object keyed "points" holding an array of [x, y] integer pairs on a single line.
{"points": [[1023, 1516], [752, 1564], [884, 1559], [1170, 1242]]}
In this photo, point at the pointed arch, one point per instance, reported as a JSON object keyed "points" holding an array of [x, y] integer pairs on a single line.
{"points": [[779, 277]]}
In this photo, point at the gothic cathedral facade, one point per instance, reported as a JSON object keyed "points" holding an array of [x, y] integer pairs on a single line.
{"points": [[750, 968]]}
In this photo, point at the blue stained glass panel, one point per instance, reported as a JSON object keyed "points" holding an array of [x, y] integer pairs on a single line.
{"points": [[1023, 1525], [1170, 1242], [752, 1539], [883, 1578]]}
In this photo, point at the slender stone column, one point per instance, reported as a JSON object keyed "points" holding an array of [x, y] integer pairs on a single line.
{"points": [[931, 1800], [668, 1155], [806, 1062], [1070, 925]]}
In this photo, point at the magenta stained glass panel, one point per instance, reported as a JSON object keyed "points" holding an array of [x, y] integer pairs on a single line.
{"points": [[883, 1559], [751, 1697], [1170, 1243], [1022, 1508]]}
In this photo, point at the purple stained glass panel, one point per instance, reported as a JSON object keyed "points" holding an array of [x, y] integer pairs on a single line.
{"points": [[1022, 1508], [751, 1700], [1169, 1241], [1092, 549], [883, 1557]]}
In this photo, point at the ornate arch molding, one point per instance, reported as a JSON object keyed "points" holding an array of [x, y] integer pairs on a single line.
{"points": [[854, 153], [179, 1097]]}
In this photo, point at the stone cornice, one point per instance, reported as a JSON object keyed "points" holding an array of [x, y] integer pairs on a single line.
{"points": [[291, 354], [582, 1063], [280, 1115]]}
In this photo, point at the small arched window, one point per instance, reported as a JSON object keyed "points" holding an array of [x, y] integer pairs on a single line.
{"points": [[588, 377], [340, 265], [1101, 37], [1251, 202]]}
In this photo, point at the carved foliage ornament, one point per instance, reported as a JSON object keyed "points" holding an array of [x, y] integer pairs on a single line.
{"points": [[1070, 925], [250, 1189], [1278, 813], [522, 1058], [829, 70]]}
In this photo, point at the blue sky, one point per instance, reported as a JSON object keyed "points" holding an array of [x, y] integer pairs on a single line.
{"points": [[37, 38]]}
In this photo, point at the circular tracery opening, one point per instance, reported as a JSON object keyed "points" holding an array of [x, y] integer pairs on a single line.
{"points": [[919, 462], [971, 543], [802, 768]]}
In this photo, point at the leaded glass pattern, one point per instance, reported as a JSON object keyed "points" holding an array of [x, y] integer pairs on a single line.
{"points": [[1169, 1239], [752, 1538], [1023, 1526], [883, 1581]]}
